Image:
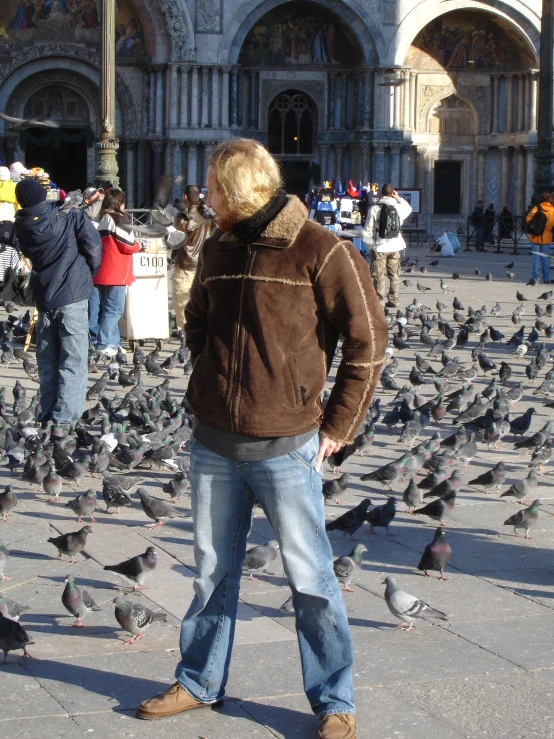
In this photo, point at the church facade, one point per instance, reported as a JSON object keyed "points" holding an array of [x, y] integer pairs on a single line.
{"points": [[439, 97]]}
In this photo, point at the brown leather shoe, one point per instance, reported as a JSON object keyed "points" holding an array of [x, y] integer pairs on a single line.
{"points": [[174, 700], [337, 726]]}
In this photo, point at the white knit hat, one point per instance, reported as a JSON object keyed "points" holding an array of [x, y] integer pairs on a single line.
{"points": [[4, 174]]}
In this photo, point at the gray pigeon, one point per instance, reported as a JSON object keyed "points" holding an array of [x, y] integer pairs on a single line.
{"points": [[382, 515], [522, 489], [156, 509], [137, 568], [347, 567], [11, 608], [8, 501], [83, 505], [407, 607], [525, 518], [77, 600], [12, 636], [413, 496], [72, 543], [492, 478], [135, 618], [178, 486], [258, 559], [331, 489], [436, 555], [4, 554], [125, 482], [115, 497], [350, 521]]}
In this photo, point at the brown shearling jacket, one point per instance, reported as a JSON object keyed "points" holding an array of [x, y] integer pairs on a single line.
{"points": [[262, 326]]}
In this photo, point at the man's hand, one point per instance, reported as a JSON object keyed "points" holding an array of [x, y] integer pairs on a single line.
{"points": [[326, 448]]}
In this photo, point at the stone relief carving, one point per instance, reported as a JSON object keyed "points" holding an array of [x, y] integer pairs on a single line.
{"points": [[208, 16], [180, 45]]}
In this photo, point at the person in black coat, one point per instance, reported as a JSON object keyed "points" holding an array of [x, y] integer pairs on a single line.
{"points": [[65, 252], [505, 223]]}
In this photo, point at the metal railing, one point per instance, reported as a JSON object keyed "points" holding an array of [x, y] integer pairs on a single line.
{"points": [[493, 234], [140, 216]]}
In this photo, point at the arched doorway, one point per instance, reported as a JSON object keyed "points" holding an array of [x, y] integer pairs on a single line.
{"points": [[61, 151], [291, 135]]}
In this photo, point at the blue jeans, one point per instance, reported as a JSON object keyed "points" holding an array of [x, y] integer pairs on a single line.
{"points": [[62, 349], [289, 490], [541, 264], [105, 308]]}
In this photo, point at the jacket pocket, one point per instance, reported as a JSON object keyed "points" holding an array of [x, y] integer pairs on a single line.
{"points": [[295, 379]]}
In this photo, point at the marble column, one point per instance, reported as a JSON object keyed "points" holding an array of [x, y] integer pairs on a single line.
{"points": [[107, 144], [480, 184], [177, 167], [366, 99], [339, 154], [253, 107], [420, 179], [404, 178], [533, 103], [405, 92], [323, 156], [157, 165], [527, 97], [395, 165], [159, 99], [504, 178], [529, 173], [521, 103], [234, 97], [379, 164], [518, 179], [131, 146], [331, 93], [364, 155], [495, 85], [344, 100], [174, 96], [194, 97], [192, 164], [184, 113], [216, 100], [509, 102], [205, 111], [413, 107], [225, 96], [396, 107], [358, 97], [152, 104], [143, 175], [208, 148], [146, 103]]}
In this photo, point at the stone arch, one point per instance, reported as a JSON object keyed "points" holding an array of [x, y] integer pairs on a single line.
{"points": [[43, 63], [525, 23], [354, 14], [430, 96], [313, 89], [179, 27], [465, 111]]}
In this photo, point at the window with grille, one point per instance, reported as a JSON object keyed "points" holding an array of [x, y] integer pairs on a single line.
{"points": [[291, 124]]}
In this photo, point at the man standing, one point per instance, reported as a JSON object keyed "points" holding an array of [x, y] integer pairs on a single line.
{"points": [[478, 223], [65, 251], [272, 293], [541, 239], [386, 242], [193, 221]]}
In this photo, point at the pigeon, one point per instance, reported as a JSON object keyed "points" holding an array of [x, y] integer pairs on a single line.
{"points": [[13, 636], [468, 450], [135, 618], [406, 607], [522, 489], [350, 521], [125, 482], [115, 497], [436, 555], [521, 297], [333, 488], [520, 425], [137, 568], [71, 543], [11, 608], [493, 478], [83, 505], [258, 559], [4, 554], [22, 124], [525, 518], [412, 496], [178, 486], [8, 501], [347, 567], [156, 509], [382, 516], [389, 473], [77, 600], [438, 509], [454, 482]]}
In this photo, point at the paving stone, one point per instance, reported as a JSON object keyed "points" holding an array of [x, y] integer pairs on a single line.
{"points": [[22, 696], [45, 726]]}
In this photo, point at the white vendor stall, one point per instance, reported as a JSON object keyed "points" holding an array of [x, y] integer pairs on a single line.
{"points": [[146, 307]]}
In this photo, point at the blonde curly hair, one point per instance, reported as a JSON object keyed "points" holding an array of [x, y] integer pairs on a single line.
{"points": [[246, 174]]}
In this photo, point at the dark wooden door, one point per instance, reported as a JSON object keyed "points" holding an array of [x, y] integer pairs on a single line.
{"points": [[448, 187]]}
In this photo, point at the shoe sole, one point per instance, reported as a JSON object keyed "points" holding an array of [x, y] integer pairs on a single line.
{"points": [[154, 716]]}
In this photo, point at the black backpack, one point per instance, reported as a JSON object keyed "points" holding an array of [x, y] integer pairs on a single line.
{"points": [[537, 224], [389, 222]]}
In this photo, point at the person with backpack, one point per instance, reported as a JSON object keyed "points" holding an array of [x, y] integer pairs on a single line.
{"points": [[382, 234], [540, 223]]}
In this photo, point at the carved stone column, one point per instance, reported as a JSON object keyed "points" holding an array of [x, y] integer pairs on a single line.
{"points": [[192, 164], [529, 172], [174, 96], [480, 183], [495, 80], [396, 107], [364, 151], [131, 146], [518, 179], [504, 179], [509, 102], [253, 106], [177, 167], [194, 97], [344, 100], [216, 100], [106, 147], [339, 154], [533, 103], [184, 114], [146, 103], [323, 156], [521, 103], [143, 173], [366, 99], [331, 93], [379, 164], [405, 123], [234, 97], [225, 96], [159, 68], [527, 97], [395, 165], [152, 103], [404, 176], [358, 97], [208, 148], [413, 107], [205, 71], [157, 168]]}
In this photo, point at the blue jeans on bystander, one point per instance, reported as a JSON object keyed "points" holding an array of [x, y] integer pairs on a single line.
{"points": [[541, 265], [105, 308], [289, 490], [62, 354]]}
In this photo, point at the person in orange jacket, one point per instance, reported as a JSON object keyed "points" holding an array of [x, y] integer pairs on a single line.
{"points": [[541, 244]]}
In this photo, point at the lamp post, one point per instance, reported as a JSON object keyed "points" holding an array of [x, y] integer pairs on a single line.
{"points": [[107, 145], [543, 153]]}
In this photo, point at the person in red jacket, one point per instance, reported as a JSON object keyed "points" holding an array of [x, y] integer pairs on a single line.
{"points": [[116, 272]]}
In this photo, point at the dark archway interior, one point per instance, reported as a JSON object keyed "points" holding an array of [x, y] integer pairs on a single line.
{"points": [[63, 155]]}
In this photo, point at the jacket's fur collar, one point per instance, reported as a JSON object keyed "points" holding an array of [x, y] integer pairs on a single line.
{"points": [[283, 229]]}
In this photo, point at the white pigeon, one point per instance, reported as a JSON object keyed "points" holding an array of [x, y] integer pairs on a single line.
{"points": [[521, 351], [407, 607]]}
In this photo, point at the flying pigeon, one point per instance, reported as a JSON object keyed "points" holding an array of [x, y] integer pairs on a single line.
{"points": [[22, 124]]}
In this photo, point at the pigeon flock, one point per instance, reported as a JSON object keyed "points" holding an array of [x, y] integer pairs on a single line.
{"points": [[462, 414]]}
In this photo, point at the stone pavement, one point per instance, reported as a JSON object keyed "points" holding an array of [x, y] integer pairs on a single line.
{"points": [[488, 672]]}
